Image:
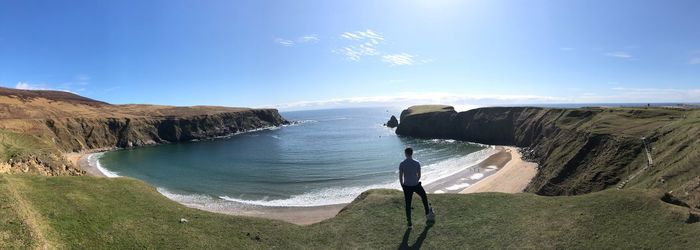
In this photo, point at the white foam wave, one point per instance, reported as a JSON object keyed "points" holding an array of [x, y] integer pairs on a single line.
{"points": [[442, 169], [442, 141], [300, 122], [187, 199], [335, 195], [94, 161], [476, 176], [270, 128], [329, 196], [491, 168]]}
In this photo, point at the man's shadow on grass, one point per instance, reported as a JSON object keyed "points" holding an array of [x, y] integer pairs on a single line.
{"points": [[419, 241]]}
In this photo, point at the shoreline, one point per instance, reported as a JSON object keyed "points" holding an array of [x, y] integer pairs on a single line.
{"points": [[81, 161], [466, 181], [471, 175], [513, 177]]}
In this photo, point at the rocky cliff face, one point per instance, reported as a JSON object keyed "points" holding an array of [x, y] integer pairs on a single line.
{"points": [[76, 134], [37, 128], [578, 150], [57, 136]]}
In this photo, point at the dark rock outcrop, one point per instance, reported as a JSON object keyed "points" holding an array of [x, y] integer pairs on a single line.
{"points": [[578, 150], [76, 134], [392, 123]]}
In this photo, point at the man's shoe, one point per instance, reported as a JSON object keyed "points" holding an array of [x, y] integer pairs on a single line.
{"points": [[430, 217], [410, 226]]}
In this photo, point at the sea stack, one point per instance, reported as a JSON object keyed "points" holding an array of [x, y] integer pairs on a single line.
{"points": [[392, 123]]}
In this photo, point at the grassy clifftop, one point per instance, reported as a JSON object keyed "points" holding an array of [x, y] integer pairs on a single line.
{"points": [[580, 150], [37, 127], [90, 213]]}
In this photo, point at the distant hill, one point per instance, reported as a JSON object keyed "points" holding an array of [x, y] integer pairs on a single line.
{"points": [[40, 104], [52, 95]]}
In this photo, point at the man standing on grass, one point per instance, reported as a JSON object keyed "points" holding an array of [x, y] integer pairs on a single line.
{"points": [[409, 177]]}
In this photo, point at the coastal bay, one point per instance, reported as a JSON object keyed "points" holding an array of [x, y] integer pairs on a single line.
{"points": [[500, 165]]}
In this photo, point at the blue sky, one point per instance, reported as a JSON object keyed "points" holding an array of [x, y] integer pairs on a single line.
{"points": [[320, 54]]}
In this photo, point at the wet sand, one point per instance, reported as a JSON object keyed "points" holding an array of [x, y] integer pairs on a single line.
{"points": [[295, 215]]}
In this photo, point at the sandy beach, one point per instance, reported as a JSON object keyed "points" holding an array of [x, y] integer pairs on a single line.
{"points": [[512, 178], [503, 171], [468, 177], [82, 161], [295, 215]]}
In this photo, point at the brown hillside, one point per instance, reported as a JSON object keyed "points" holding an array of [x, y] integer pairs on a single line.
{"points": [[38, 127], [52, 95]]}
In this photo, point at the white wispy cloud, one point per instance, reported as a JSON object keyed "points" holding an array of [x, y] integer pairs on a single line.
{"points": [[619, 54], [359, 45], [355, 53], [399, 59], [284, 42], [77, 84], [363, 44], [368, 35], [39, 86], [308, 39], [367, 44], [312, 38], [29, 86]]}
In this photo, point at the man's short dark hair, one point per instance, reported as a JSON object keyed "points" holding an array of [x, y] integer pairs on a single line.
{"points": [[408, 151]]}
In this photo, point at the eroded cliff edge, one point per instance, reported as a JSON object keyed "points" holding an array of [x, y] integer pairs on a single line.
{"points": [[579, 150], [38, 128]]}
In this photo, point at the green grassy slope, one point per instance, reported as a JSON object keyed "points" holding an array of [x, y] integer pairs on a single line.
{"points": [[89, 212], [17, 146], [26, 153], [14, 232], [672, 134], [581, 150]]}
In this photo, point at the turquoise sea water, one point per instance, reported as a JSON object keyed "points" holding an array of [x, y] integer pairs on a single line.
{"points": [[329, 157]]}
